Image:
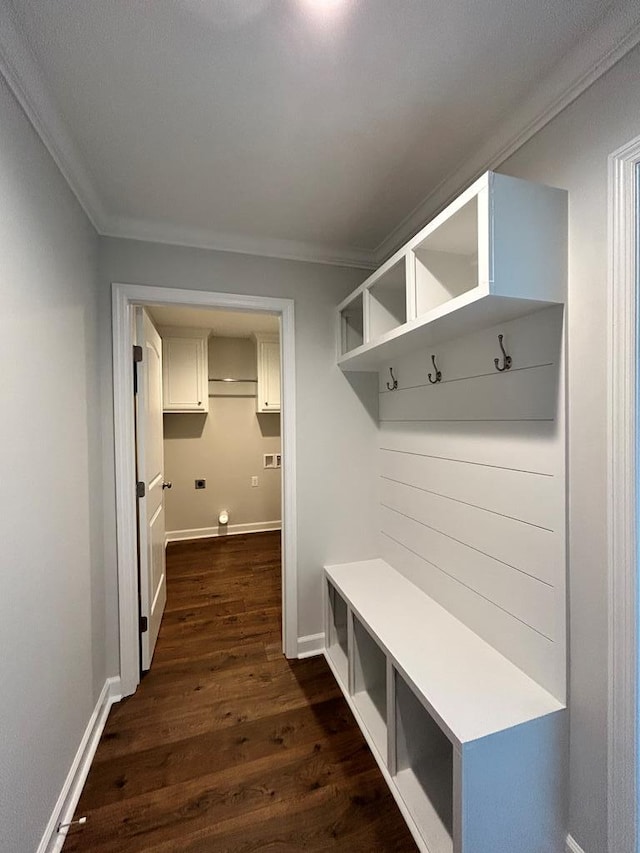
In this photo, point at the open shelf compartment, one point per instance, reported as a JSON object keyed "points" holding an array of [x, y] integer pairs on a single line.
{"points": [[337, 632], [424, 759], [387, 300], [352, 325], [369, 688], [446, 260]]}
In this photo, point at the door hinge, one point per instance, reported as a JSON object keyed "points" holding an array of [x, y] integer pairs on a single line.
{"points": [[140, 489], [144, 624], [137, 358]]}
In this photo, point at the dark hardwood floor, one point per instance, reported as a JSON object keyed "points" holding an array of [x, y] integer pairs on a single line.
{"points": [[227, 746]]}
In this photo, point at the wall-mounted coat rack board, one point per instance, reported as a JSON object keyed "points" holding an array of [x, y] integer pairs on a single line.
{"points": [[450, 647]]}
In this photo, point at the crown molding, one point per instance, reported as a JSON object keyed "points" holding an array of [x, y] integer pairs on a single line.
{"points": [[203, 238], [614, 36], [23, 75]]}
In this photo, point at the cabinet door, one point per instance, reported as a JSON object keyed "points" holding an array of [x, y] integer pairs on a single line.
{"points": [[269, 376], [185, 375]]}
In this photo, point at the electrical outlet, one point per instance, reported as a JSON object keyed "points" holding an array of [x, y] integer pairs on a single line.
{"points": [[254, 482], [201, 484]]}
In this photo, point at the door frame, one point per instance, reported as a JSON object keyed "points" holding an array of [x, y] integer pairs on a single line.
{"points": [[623, 517], [125, 297]]}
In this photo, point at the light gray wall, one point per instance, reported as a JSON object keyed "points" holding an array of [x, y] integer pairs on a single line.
{"points": [[52, 574], [225, 447], [336, 435]]}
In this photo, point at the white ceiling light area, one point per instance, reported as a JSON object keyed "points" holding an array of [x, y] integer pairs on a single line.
{"points": [[296, 128]]}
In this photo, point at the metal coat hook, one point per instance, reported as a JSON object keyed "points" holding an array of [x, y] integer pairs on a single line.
{"points": [[438, 373], [392, 387], [506, 358]]}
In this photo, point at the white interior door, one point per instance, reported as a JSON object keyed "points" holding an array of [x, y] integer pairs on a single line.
{"points": [[150, 459]]}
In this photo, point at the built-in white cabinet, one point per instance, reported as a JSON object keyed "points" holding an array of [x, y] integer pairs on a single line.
{"points": [[268, 355], [496, 253], [450, 651], [185, 370], [473, 750]]}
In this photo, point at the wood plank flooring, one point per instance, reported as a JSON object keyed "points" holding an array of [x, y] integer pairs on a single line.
{"points": [[227, 747]]}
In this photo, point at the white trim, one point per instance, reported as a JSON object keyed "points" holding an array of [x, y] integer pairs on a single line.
{"points": [[573, 846], [124, 297], [616, 34], [623, 429], [222, 530], [311, 645], [52, 840], [204, 238]]}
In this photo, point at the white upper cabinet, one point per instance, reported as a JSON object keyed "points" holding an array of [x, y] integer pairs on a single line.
{"points": [[185, 370], [268, 354], [499, 251]]}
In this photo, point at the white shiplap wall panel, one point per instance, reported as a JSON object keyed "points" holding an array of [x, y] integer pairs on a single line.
{"points": [[514, 445], [521, 596], [505, 491], [530, 651], [527, 549], [472, 488]]}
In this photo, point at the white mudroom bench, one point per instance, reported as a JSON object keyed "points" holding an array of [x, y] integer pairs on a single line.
{"points": [[472, 748]]}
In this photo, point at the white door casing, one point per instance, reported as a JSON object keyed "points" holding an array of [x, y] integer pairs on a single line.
{"points": [[124, 299], [150, 460], [623, 426]]}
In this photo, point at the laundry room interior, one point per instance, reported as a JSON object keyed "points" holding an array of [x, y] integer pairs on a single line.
{"points": [[221, 424]]}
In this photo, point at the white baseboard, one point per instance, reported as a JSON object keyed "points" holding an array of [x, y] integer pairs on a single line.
{"points": [[222, 530], [311, 645], [573, 846], [52, 840]]}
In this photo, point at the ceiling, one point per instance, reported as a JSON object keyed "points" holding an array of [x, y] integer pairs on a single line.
{"points": [[298, 128], [222, 324]]}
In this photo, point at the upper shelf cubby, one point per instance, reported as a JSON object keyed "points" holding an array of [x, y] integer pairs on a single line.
{"points": [[497, 252], [351, 325], [387, 300], [446, 260]]}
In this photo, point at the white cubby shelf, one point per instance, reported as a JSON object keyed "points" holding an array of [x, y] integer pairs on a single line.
{"points": [[496, 253], [472, 748]]}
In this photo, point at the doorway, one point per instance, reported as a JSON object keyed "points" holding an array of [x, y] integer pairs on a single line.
{"points": [[125, 299], [217, 421]]}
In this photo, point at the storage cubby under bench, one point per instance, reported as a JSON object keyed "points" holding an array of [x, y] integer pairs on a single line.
{"points": [[473, 749]]}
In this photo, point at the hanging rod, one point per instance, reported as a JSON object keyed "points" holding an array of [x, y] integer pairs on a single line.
{"points": [[220, 379]]}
